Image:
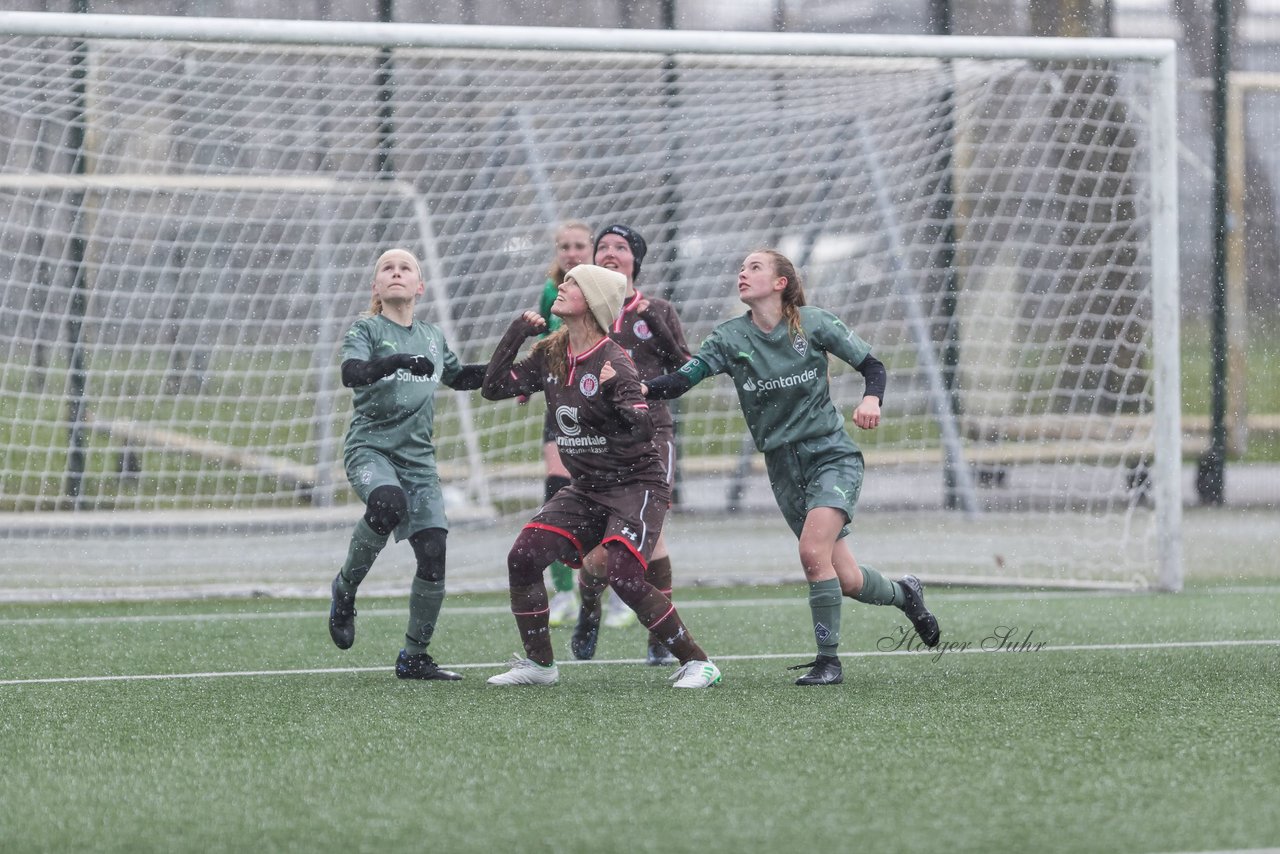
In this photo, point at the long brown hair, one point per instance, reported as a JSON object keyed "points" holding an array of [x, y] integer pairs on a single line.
{"points": [[556, 348], [793, 293], [554, 273], [375, 303]]}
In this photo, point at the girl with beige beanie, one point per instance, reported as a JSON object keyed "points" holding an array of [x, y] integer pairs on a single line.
{"points": [[618, 495]]}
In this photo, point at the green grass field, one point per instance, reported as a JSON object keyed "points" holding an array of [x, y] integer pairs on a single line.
{"points": [[1143, 723]]}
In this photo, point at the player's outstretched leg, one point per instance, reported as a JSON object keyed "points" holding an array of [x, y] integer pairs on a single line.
{"points": [[907, 595], [658, 615], [564, 604], [925, 624], [532, 553], [658, 573], [385, 508]]}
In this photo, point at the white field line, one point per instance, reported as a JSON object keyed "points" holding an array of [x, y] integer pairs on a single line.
{"points": [[147, 596], [684, 605], [1095, 647]]}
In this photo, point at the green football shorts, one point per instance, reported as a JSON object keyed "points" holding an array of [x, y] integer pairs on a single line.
{"points": [[367, 470], [821, 472]]}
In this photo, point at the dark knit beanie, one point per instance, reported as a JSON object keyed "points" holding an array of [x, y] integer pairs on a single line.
{"points": [[634, 240]]}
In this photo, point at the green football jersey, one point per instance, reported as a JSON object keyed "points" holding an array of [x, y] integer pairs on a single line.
{"points": [[781, 378], [395, 415], [550, 290]]}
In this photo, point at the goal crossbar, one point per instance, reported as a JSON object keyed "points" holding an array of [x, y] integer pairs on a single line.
{"points": [[586, 39]]}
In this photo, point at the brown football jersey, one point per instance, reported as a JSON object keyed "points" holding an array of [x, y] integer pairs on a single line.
{"points": [[604, 431], [655, 341]]}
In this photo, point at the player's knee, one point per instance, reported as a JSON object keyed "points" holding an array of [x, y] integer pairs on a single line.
{"points": [[527, 559], [522, 569], [429, 551], [814, 554], [626, 573], [387, 505]]}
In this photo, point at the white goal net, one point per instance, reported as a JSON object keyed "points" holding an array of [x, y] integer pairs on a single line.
{"points": [[191, 207]]}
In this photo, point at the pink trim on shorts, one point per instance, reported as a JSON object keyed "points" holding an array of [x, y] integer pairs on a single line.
{"points": [[542, 526], [644, 564]]}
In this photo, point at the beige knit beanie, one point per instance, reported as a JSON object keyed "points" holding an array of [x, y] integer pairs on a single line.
{"points": [[603, 289]]}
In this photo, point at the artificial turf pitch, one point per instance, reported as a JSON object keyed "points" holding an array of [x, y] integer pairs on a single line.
{"points": [[1052, 721]]}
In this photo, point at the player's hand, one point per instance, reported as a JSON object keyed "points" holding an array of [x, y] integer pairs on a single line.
{"points": [[534, 323], [418, 365], [607, 372], [642, 306], [522, 399], [867, 415]]}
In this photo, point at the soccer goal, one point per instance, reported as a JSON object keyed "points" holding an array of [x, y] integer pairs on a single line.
{"points": [[191, 208]]}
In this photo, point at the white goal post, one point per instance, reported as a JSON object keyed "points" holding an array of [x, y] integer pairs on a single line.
{"points": [[192, 206]]}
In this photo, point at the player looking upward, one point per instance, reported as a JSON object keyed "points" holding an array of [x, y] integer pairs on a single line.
{"points": [[649, 330], [618, 494], [394, 363], [776, 354], [573, 246]]}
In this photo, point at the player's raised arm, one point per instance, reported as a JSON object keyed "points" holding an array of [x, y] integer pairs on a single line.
{"points": [[668, 334], [503, 378]]}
